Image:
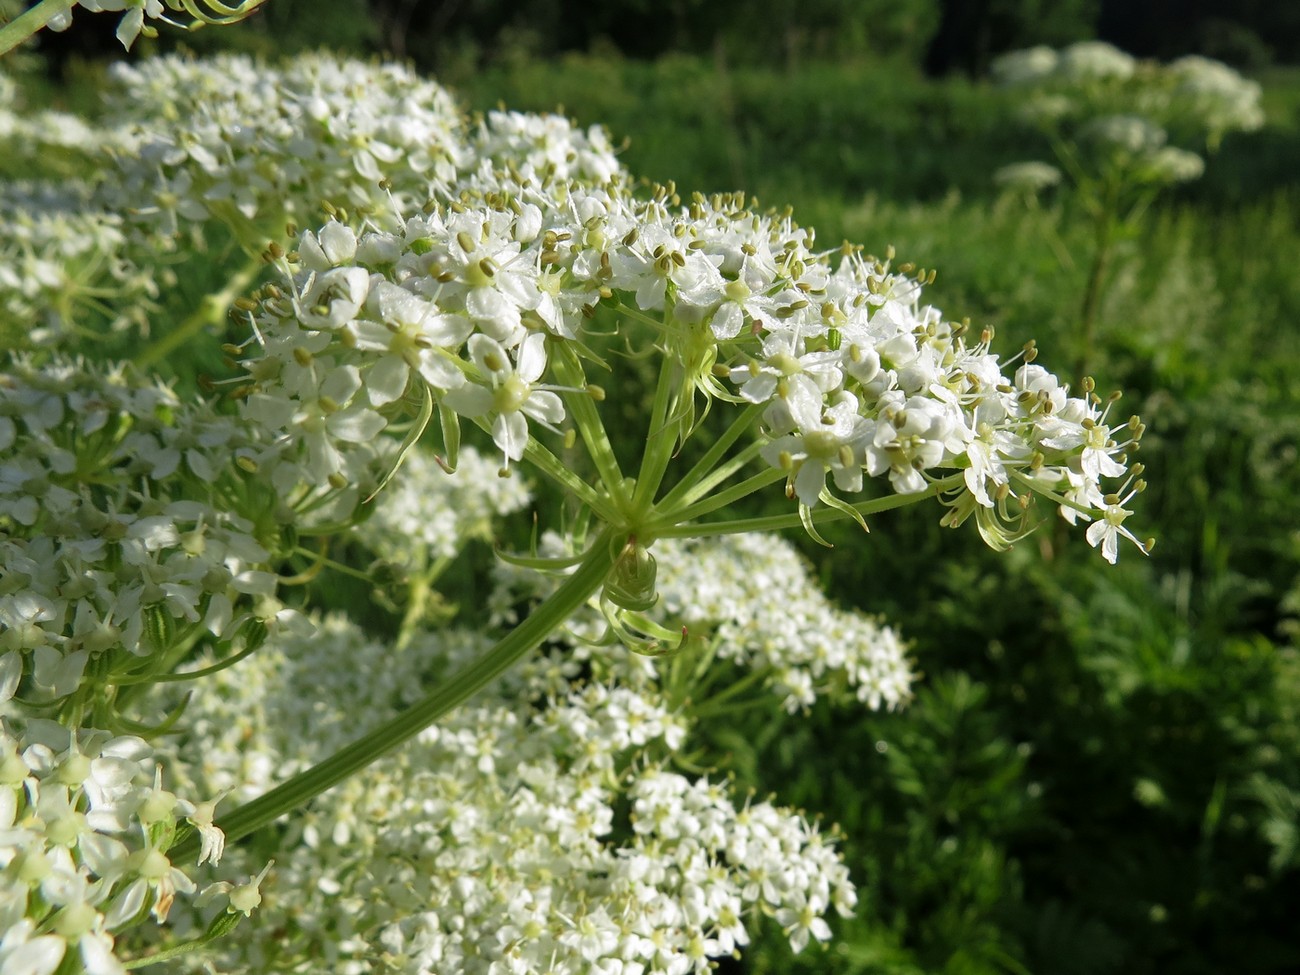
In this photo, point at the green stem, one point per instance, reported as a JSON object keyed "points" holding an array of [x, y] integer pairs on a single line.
{"points": [[417, 601], [659, 443], [715, 453], [28, 23], [723, 498], [290, 795], [733, 689], [554, 468], [820, 515], [211, 310], [587, 417], [326, 562]]}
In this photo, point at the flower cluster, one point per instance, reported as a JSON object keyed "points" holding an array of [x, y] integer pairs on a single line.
{"points": [[481, 306], [512, 837], [43, 136], [130, 525], [85, 825], [758, 603], [67, 264], [252, 145], [60, 258], [1123, 115]]}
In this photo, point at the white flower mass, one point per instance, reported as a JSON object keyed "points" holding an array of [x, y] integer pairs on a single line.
{"points": [[487, 271]]}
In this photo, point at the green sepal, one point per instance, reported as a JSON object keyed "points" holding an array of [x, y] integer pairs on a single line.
{"points": [[841, 505], [159, 628], [222, 925], [639, 633], [449, 420], [412, 435], [538, 562], [805, 517]]}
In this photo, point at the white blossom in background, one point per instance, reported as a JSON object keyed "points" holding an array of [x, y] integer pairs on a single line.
{"points": [[497, 840], [245, 140], [264, 143], [428, 513], [129, 524], [755, 597], [1086, 61], [1028, 177], [1217, 96], [1125, 113], [47, 132], [60, 256], [546, 143]]}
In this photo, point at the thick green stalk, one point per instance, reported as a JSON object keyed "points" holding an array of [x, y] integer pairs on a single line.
{"points": [[575, 591], [28, 23]]}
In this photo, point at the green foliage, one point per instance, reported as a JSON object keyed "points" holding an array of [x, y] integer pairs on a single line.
{"points": [[829, 130]]}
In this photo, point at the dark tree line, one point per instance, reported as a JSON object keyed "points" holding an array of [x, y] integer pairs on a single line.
{"points": [[943, 36]]}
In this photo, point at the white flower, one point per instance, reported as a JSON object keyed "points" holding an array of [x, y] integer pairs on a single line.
{"points": [[907, 439], [1106, 532], [22, 954], [512, 393], [829, 437]]}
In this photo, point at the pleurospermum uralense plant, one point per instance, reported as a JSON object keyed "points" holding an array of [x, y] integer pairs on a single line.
{"points": [[494, 275], [1121, 131]]}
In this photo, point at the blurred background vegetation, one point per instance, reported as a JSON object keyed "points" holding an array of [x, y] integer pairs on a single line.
{"points": [[1101, 770]]}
